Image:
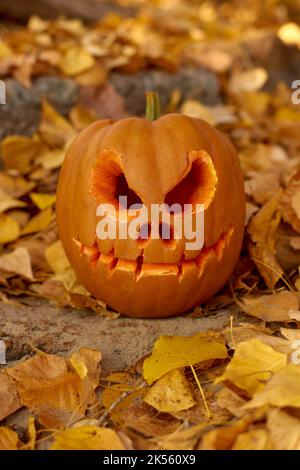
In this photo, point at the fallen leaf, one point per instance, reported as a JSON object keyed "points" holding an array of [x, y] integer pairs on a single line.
{"points": [[255, 439], [9, 229], [51, 159], [252, 365], [54, 129], [273, 307], [290, 203], [18, 152], [248, 80], [262, 229], [181, 439], [223, 438], [39, 222], [43, 200], [282, 390], [87, 438], [91, 358], [173, 352], [17, 262], [8, 439], [76, 60], [284, 430], [9, 398], [171, 393]]}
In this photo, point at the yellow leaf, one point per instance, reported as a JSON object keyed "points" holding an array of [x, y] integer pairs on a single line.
{"points": [[79, 367], [8, 439], [18, 152], [171, 393], [91, 360], [56, 257], [51, 159], [196, 109], [38, 222], [252, 365], [87, 438], [31, 434], [282, 390], [17, 262], [43, 200], [75, 61], [9, 229], [173, 352], [248, 80], [54, 128], [273, 307]]}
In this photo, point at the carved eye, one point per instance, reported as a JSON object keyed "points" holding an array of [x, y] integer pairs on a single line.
{"points": [[122, 189], [198, 185], [107, 181]]}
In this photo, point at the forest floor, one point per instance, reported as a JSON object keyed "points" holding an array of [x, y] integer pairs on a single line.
{"points": [[79, 375]]}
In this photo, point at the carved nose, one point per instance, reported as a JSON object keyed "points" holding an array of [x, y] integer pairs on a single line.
{"points": [[164, 232]]}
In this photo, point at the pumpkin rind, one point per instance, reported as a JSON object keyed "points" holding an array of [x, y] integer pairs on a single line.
{"points": [[154, 157]]}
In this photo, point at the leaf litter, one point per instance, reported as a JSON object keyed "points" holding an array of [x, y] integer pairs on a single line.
{"points": [[237, 388]]}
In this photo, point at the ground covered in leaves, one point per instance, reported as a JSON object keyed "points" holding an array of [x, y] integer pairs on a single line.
{"points": [[232, 65]]}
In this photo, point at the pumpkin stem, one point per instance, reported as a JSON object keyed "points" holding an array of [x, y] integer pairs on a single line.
{"points": [[152, 105]]}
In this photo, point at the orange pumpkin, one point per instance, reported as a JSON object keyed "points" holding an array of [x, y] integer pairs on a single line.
{"points": [[172, 159]]}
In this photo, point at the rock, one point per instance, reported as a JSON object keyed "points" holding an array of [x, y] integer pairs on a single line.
{"points": [[281, 61], [122, 341], [22, 111], [62, 93], [193, 83]]}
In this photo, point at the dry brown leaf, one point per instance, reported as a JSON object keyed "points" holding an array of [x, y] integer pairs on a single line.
{"points": [[87, 438], [9, 439], [262, 229], [9, 398], [273, 307], [18, 152], [290, 203], [17, 262]]}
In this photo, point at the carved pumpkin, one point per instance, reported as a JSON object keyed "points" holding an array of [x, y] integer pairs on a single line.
{"points": [[172, 159]]}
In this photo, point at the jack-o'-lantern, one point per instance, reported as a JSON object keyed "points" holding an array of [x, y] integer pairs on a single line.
{"points": [[172, 159]]}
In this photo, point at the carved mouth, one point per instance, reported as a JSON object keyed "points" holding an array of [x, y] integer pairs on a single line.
{"points": [[138, 266]]}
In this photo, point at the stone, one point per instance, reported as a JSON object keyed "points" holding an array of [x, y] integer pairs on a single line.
{"points": [[193, 83], [122, 341]]}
